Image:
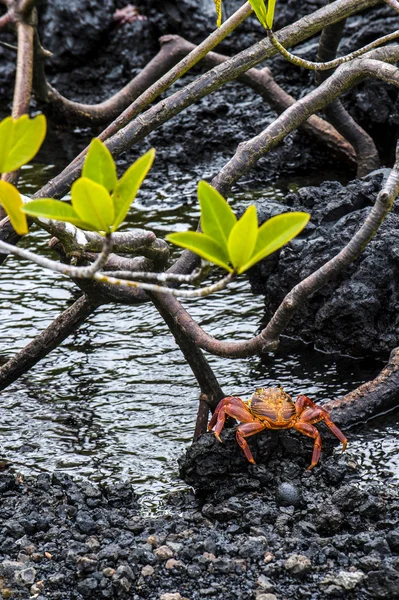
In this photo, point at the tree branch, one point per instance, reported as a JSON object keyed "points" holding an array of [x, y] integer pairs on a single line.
{"points": [[331, 64], [23, 81], [149, 84], [371, 399], [366, 151], [345, 77], [393, 4], [211, 392], [63, 326]]}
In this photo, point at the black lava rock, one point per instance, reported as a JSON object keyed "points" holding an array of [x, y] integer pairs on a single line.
{"points": [[357, 313]]}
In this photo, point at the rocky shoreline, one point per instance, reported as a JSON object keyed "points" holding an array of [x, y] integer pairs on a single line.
{"points": [[273, 531]]}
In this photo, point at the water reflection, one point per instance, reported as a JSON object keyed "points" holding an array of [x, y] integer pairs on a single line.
{"points": [[117, 400]]}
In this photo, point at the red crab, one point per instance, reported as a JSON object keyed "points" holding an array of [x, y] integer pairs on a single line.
{"points": [[272, 408]]}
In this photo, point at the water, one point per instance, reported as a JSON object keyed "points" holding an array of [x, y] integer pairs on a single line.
{"points": [[117, 401]]}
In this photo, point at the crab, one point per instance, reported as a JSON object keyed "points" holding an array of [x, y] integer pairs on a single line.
{"points": [[273, 408]]}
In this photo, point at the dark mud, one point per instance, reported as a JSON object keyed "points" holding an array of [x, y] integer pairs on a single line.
{"points": [[264, 532], [357, 313]]}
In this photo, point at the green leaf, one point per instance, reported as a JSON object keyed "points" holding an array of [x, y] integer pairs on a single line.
{"points": [[93, 204], [217, 218], [271, 5], [218, 4], [12, 203], [47, 208], [243, 238], [20, 140], [261, 11], [276, 232], [99, 165], [202, 245], [128, 185]]}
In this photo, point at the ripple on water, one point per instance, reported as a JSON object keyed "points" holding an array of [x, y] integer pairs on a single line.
{"points": [[117, 400]]}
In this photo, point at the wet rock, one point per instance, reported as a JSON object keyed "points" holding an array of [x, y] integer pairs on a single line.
{"points": [[85, 522], [83, 35], [7, 482], [383, 584], [288, 494], [393, 540], [356, 314], [298, 565]]}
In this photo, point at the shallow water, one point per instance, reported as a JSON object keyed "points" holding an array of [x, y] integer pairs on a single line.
{"points": [[117, 400]]}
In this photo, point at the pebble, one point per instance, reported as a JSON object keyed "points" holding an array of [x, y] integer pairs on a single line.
{"points": [[298, 565], [263, 596], [147, 571], [173, 596], [26, 576], [172, 563], [265, 584], [347, 580], [163, 552], [288, 494]]}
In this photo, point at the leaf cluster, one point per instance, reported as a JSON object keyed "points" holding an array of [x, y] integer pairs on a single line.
{"points": [[100, 201], [236, 244], [20, 141]]}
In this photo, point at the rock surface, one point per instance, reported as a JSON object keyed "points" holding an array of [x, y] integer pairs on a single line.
{"points": [[70, 540], [357, 314]]}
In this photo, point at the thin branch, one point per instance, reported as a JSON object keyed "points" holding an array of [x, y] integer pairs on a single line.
{"points": [[331, 64], [366, 151], [345, 77], [92, 272], [159, 277], [74, 272], [198, 293], [23, 81], [393, 4], [63, 326]]}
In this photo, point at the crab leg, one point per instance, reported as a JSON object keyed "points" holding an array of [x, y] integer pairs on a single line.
{"points": [[231, 406], [244, 431], [304, 406], [336, 431], [311, 432], [220, 414]]}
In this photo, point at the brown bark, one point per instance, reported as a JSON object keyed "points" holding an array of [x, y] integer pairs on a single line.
{"points": [[23, 81], [211, 392], [370, 399], [337, 115]]}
